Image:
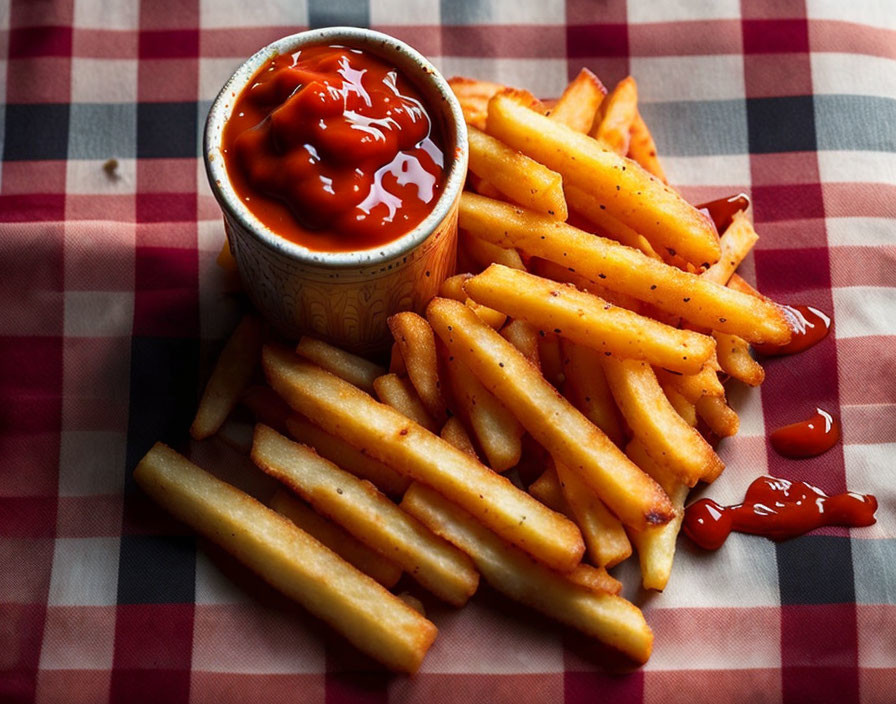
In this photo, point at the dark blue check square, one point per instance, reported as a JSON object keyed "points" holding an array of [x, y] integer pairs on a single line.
{"points": [[166, 130], [36, 132], [779, 125]]}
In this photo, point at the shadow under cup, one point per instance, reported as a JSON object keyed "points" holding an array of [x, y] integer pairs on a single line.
{"points": [[343, 297]]}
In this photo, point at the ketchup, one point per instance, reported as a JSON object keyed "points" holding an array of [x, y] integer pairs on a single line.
{"points": [[809, 325], [807, 438], [777, 509], [722, 211], [332, 148]]}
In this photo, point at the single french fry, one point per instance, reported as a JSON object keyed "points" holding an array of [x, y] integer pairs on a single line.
{"points": [[230, 377], [392, 438], [626, 270], [417, 343], [605, 538], [642, 148], [453, 287], [718, 415], [267, 407], [550, 419], [368, 515], [337, 539], [344, 455], [682, 406], [455, 433], [547, 490], [396, 361], [354, 369], [483, 187], [495, 319], [485, 253], [473, 96], [578, 105], [740, 284], [586, 388], [551, 358], [562, 274], [693, 386], [736, 242], [629, 193], [656, 423], [399, 393], [734, 357], [289, 559], [613, 122], [413, 602], [523, 336], [498, 431], [589, 320], [605, 616], [595, 578], [521, 179]]}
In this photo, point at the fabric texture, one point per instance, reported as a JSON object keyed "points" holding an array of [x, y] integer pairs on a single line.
{"points": [[112, 309]]}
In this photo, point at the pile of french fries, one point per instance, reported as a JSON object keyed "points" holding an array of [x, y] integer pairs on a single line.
{"points": [[546, 416]]}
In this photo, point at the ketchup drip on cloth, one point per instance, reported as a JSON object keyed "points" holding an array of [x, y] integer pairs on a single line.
{"points": [[809, 325], [777, 509], [334, 149], [808, 438], [722, 211]]}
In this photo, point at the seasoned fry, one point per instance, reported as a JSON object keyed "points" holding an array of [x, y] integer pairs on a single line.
{"points": [[550, 419], [417, 343], [337, 539], [551, 358], [521, 179], [453, 287], [578, 105], [626, 270], [605, 538], [523, 336], [595, 578], [613, 122], [733, 353], [485, 253], [562, 274], [655, 422], [493, 318], [473, 96], [736, 243], [629, 193], [229, 378], [390, 437], [396, 361], [682, 406], [483, 187], [455, 433], [354, 369], [399, 393], [499, 433], [718, 415], [642, 148], [344, 455], [586, 388], [368, 515], [605, 616], [693, 386], [289, 559], [589, 320], [547, 490]]}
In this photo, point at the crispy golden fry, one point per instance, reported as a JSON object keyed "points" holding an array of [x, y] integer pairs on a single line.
{"points": [[733, 353], [589, 320], [337, 539], [642, 148], [521, 179], [398, 392], [474, 95], [396, 361], [453, 287], [736, 242], [523, 336], [605, 538], [607, 617], [455, 433], [586, 388], [390, 437], [266, 406], [656, 423], [629, 193], [682, 406], [613, 122], [626, 270], [551, 358], [562, 274], [498, 431], [417, 343], [493, 318], [485, 253], [289, 559], [547, 490], [413, 602], [550, 419], [368, 515], [740, 284], [484, 188], [595, 578], [344, 455], [354, 369], [578, 105], [230, 377], [693, 386], [719, 416]]}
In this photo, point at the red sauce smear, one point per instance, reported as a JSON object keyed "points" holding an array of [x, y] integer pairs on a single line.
{"points": [[777, 509], [809, 325], [807, 438], [333, 148], [722, 211]]}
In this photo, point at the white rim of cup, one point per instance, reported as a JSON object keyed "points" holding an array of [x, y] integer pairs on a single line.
{"points": [[385, 47]]}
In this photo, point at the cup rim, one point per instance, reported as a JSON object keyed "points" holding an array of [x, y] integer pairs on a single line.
{"points": [[384, 46]]}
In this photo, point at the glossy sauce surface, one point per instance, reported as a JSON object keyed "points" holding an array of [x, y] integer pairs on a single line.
{"points": [[722, 211], [809, 325], [777, 509], [333, 148], [807, 438]]}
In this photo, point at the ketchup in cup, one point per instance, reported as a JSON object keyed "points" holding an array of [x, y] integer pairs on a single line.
{"points": [[333, 148]]}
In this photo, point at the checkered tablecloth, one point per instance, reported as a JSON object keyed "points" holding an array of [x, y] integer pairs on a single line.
{"points": [[112, 309]]}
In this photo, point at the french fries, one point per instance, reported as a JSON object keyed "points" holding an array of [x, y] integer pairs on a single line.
{"points": [[626, 270], [453, 287], [733, 353], [589, 320], [520, 178], [289, 559], [570, 437], [392, 438], [736, 242], [229, 378], [693, 386], [613, 123], [718, 415], [523, 336], [368, 515], [629, 193], [337, 539], [595, 578], [642, 148], [396, 361], [473, 96], [453, 432], [586, 388], [607, 617], [417, 344], [586, 205], [485, 253], [578, 105], [354, 369], [547, 490], [399, 393]]}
